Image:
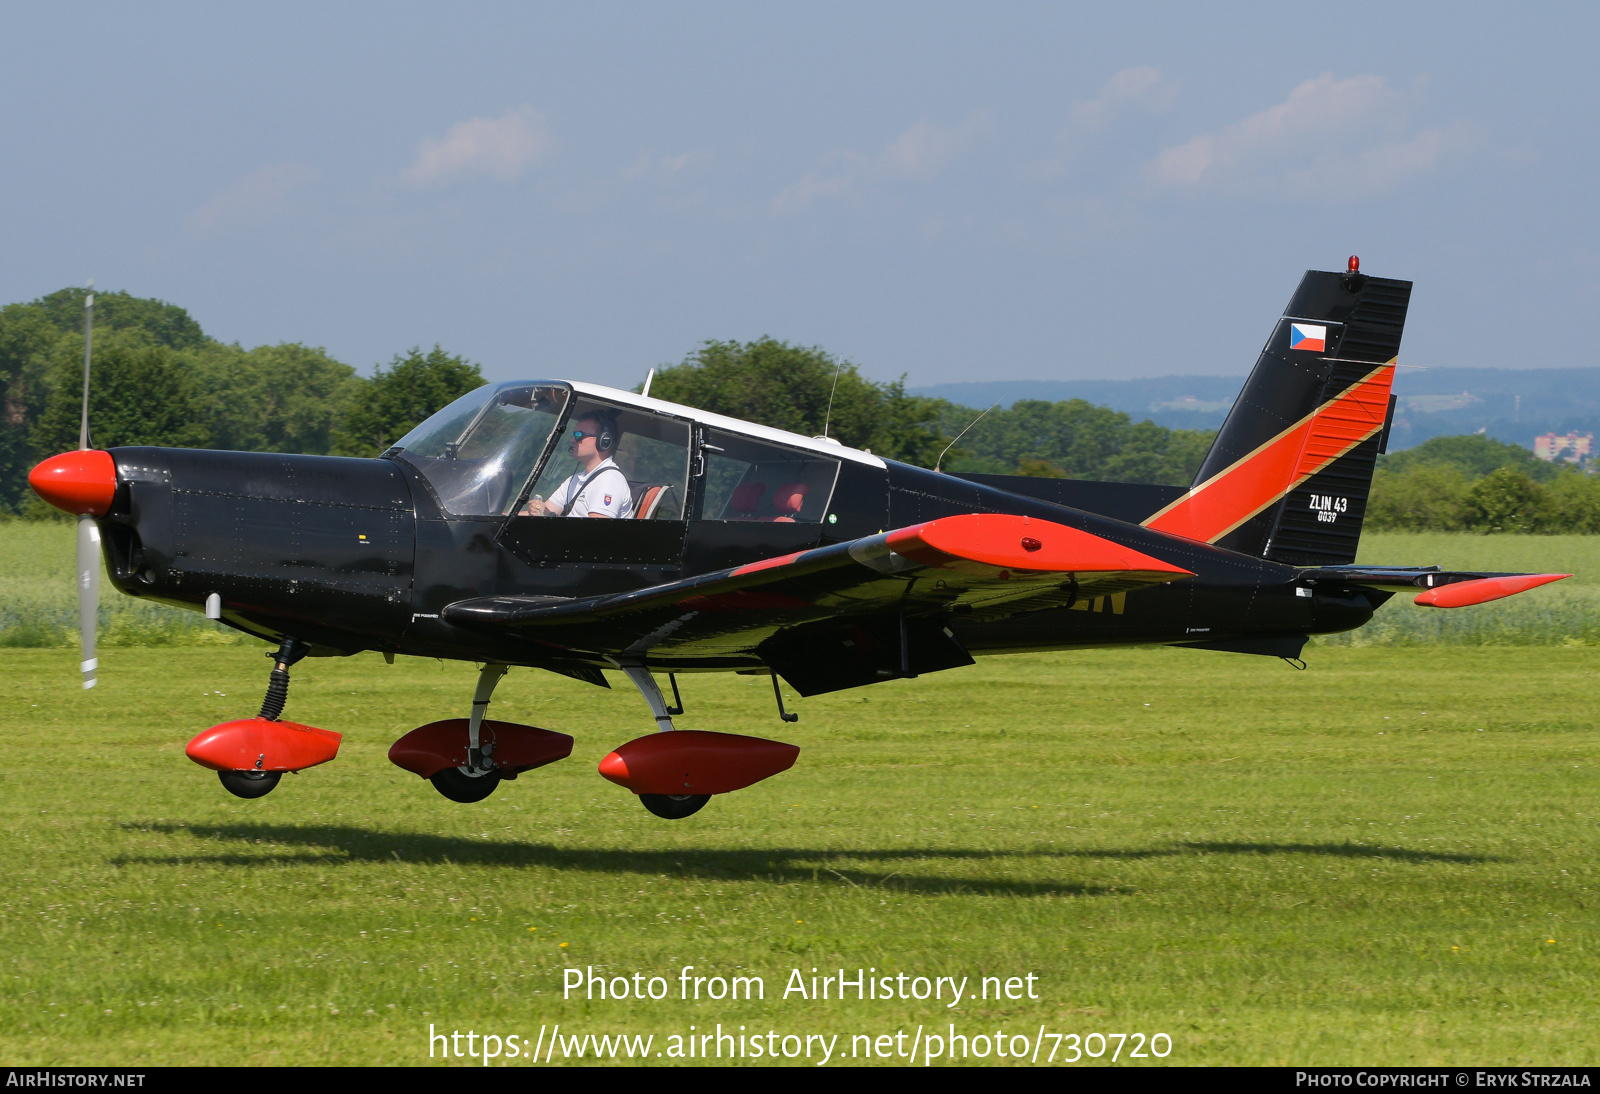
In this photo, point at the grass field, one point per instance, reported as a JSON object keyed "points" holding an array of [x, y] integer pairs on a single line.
{"points": [[1387, 858], [38, 601]]}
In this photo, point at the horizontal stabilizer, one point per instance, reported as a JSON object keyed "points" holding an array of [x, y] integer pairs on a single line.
{"points": [[1440, 588], [1464, 593]]}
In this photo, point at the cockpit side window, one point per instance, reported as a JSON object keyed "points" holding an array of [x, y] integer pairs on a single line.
{"points": [[478, 452], [651, 450], [749, 480]]}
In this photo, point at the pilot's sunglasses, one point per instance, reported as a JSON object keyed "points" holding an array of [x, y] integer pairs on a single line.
{"points": [[578, 434]]}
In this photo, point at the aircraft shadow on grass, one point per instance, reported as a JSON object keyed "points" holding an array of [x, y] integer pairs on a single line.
{"points": [[322, 845]]}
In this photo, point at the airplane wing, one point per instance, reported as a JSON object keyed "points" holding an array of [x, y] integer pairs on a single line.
{"points": [[1439, 588], [987, 563]]}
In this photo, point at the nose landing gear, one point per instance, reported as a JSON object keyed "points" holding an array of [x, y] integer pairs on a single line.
{"points": [[250, 755], [249, 784]]}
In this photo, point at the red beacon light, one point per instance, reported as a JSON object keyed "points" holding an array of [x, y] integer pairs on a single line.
{"points": [[1354, 265]]}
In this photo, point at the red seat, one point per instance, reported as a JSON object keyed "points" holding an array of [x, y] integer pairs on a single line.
{"points": [[648, 498], [746, 500], [788, 500]]}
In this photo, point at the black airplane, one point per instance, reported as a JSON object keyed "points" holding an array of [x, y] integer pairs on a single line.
{"points": [[732, 547]]}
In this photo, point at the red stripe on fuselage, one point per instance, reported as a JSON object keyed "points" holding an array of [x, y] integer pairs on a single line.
{"points": [[1232, 496]]}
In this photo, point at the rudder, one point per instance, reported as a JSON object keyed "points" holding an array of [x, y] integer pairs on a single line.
{"points": [[1289, 473]]}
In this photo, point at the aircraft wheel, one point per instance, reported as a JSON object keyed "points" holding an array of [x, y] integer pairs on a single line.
{"points": [[458, 786], [674, 806], [249, 784]]}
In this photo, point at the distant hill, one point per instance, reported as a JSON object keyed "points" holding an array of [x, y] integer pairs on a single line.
{"points": [[1511, 405]]}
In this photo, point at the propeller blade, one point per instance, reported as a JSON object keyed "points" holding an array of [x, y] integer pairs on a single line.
{"points": [[88, 593], [88, 531]]}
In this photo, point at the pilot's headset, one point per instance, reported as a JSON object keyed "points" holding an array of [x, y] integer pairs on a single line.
{"points": [[606, 440]]}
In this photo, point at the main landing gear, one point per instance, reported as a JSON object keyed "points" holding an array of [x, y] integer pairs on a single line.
{"points": [[674, 806], [477, 778], [466, 758], [249, 784], [673, 772], [250, 755], [676, 771]]}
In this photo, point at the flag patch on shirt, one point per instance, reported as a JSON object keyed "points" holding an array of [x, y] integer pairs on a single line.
{"points": [[608, 499], [1308, 336]]}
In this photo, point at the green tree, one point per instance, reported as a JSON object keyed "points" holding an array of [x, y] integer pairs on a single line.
{"points": [[284, 398], [1474, 455], [1506, 501], [1077, 438], [1033, 468], [139, 394], [395, 400], [26, 340], [788, 387], [1423, 498], [165, 324], [1572, 503]]}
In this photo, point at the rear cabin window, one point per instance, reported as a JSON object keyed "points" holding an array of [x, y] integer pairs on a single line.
{"points": [[754, 481]]}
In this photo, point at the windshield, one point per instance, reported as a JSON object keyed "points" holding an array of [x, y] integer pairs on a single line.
{"points": [[478, 452]]}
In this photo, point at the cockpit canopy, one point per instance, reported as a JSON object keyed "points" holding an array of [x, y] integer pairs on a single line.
{"points": [[492, 451], [478, 452]]}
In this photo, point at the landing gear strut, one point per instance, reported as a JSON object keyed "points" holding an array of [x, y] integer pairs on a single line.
{"points": [[665, 806], [289, 652], [478, 777], [258, 784]]}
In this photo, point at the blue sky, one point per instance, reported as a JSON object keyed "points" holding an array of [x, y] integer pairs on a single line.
{"points": [[997, 191]]}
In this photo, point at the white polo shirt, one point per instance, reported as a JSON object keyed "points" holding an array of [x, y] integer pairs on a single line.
{"points": [[607, 492]]}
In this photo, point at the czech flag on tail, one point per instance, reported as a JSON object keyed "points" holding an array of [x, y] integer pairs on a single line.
{"points": [[1308, 336]]}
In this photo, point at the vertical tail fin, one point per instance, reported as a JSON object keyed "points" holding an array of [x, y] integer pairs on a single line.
{"points": [[1288, 476]]}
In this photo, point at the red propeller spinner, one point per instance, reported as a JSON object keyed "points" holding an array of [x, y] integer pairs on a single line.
{"points": [[81, 482]]}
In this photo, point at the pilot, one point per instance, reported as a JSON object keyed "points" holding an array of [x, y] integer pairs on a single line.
{"points": [[598, 488]]}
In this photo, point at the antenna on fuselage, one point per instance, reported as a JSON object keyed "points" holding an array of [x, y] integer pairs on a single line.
{"points": [[829, 416], [644, 392], [958, 436]]}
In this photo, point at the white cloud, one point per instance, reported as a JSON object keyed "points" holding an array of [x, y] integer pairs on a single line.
{"points": [[1381, 166], [500, 148], [925, 149], [811, 187], [1328, 138], [1139, 88], [919, 153], [257, 194], [648, 166]]}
